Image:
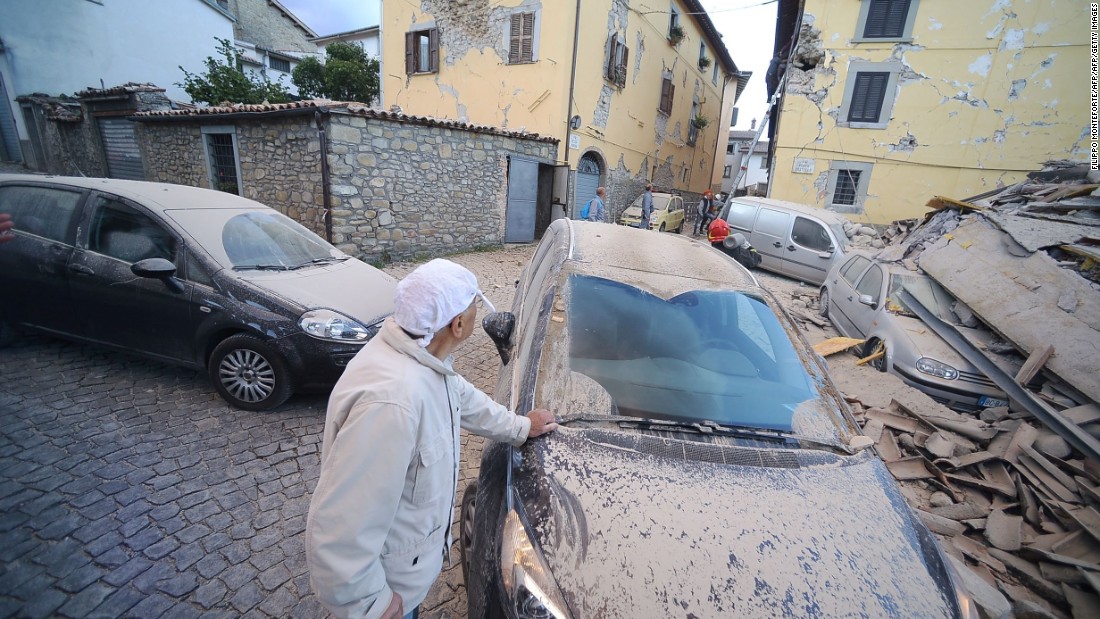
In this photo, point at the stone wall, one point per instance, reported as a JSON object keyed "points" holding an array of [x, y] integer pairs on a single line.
{"points": [[402, 190], [73, 149], [280, 162], [259, 22]]}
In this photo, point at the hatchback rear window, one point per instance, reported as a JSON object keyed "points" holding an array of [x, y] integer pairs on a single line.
{"points": [[716, 355]]}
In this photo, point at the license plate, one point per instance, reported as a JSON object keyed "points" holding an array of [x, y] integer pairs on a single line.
{"points": [[988, 402]]}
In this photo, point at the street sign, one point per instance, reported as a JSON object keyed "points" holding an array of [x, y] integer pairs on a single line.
{"points": [[803, 165], [574, 140]]}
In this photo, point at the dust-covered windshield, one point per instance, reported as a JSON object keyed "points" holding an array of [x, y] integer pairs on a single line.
{"points": [[930, 294], [255, 238], [717, 355]]}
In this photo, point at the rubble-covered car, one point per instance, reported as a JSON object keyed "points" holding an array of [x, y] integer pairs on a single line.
{"points": [[860, 297], [667, 215], [196, 277], [705, 465]]}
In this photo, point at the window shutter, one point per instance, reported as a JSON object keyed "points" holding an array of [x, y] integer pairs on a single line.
{"points": [[515, 38], [867, 96], [668, 90], [527, 40], [433, 50], [623, 66], [886, 18], [611, 57], [410, 53]]}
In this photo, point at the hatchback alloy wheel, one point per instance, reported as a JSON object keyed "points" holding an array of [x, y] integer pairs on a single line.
{"points": [[249, 373]]}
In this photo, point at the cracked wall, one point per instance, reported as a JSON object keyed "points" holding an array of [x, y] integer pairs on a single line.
{"points": [[985, 92]]}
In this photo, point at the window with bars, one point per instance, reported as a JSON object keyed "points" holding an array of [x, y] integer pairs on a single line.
{"points": [[221, 159], [847, 187], [521, 38], [279, 64], [668, 90], [617, 57], [422, 51], [869, 93], [727, 171], [886, 19]]}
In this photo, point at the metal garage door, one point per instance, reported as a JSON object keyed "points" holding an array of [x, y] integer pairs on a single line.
{"points": [[523, 193], [120, 146], [585, 190]]}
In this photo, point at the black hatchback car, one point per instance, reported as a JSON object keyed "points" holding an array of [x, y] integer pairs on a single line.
{"points": [[191, 276], [705, 465]]}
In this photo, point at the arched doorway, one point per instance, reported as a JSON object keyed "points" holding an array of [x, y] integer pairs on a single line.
{"points": [[588, 179]]}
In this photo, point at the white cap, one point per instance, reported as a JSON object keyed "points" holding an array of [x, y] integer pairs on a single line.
{"points": [[430, 297]]}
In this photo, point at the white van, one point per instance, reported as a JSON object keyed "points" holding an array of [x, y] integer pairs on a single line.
{"points": [[795, 240]]}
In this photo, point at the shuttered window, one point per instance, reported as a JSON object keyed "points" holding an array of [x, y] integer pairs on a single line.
{"points": [[668, 89], [867, 96], [617, 57], [886, 19], [521, 39], [422, 51]]}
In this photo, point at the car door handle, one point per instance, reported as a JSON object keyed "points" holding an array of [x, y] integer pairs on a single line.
{"points": [[850, 299], [791, 248], [777, 244], [80, 268]]}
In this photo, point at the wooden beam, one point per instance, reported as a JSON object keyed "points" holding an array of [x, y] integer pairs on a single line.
{"points": [[1034, 363]]}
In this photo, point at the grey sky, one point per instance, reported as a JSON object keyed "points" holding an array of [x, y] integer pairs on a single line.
{"points": [[747, 27]]}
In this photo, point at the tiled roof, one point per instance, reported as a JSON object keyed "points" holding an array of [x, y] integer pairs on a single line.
{"points": [[55, 108], [113, 91], [345, 107]]}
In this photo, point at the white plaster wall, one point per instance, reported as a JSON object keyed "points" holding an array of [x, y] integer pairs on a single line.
{"points": [[755, 173], [64, 46], [368, 40]]}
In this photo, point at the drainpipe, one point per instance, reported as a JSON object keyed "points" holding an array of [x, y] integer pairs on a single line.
{"points": [[569, 116], [318, 117]]}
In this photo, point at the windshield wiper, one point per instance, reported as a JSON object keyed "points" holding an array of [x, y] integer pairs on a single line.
{"points": [[706, 426], [325, 260], [262, 267]]}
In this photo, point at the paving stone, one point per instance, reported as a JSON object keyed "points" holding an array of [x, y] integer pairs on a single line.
{"points": [[247, 597], [117, 603], [179, 585], [238, 575], [211, 565], [148, 580], [81, 577], [162, 548], [86, 600], [188, 555], [155, 605], [274, 577], [128, 571], [210, 593], [113, 558], [44, 604]]}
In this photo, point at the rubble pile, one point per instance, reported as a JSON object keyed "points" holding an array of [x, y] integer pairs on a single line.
{"points": [[1012, 504], [863, 237]]}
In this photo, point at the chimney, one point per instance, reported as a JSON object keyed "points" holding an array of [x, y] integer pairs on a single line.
{"points": [[753, 126]]}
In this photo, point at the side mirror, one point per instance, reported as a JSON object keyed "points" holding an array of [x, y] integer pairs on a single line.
{"points": [[158, 268], [500, 326], [868, 300]]}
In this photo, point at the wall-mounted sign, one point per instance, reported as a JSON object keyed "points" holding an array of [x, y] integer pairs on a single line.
{"points": [[803, 165], [574, 140]]}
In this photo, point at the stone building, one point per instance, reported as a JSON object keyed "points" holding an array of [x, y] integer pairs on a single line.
{"points": [[392, 186]]}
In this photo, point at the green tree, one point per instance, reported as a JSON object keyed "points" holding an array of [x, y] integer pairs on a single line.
{"points": [[347, 74], [224, 80]]}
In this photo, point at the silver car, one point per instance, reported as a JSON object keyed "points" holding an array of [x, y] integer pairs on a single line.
{"points": [[860, 297]]}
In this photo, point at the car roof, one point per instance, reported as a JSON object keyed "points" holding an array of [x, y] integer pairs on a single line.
{"points": [[166, 196], [802, 209], [662, 263]]}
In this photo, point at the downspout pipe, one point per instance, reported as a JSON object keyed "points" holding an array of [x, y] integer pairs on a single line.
{"points": [[319, 118], [569, 116]]}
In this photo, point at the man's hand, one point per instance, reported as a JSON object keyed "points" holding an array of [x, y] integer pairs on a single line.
{"points": [[6, 225], [542, 421], [396, 609]]}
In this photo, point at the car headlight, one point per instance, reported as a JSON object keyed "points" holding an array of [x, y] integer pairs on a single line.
{"points": [[527, 580], [937, 368], [325, 324]]}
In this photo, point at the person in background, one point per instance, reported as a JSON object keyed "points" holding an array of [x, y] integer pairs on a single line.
{"points": [[647, 207], [596, 209], [702, 219], [379, 520]]}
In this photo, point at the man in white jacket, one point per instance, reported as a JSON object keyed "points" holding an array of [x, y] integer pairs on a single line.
{"points": [[379, 520]]}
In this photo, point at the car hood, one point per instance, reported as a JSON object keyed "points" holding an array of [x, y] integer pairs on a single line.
{"points": [[630, 534], [924, 342], [351, 287]]}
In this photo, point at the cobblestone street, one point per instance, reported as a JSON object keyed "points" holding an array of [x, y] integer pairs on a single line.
{"points": [[128, 488]]}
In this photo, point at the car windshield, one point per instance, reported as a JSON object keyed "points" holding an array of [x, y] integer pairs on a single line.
{"points": [[246, 239], [838, 232], [702, 355], [930, 294], [660, 203]]}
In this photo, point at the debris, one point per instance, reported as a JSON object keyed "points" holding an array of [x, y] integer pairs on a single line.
{"points": [[877, 355], [987, 597], [1033, 364], [940, 499], [941, 525], [834, 345], [1003, 531], [940, 445]]}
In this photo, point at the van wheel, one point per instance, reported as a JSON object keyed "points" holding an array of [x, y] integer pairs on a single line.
{"points": [[467, 543], [874, 347], [823, 301], [680, 228], [249, 373]]}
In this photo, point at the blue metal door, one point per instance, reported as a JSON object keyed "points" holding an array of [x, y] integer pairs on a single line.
{"points": [[523, 191]]}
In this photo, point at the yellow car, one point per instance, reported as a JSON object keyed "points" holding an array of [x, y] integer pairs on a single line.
{"points": [[668, 213]]}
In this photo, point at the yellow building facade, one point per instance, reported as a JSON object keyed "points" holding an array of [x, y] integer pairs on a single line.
{"points": [[636, 78], [890, 102]]}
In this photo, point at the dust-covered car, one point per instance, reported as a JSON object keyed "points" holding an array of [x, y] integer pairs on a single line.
{"points": [[196, 277], [668, 213], [860, 297], [705, 465]]}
